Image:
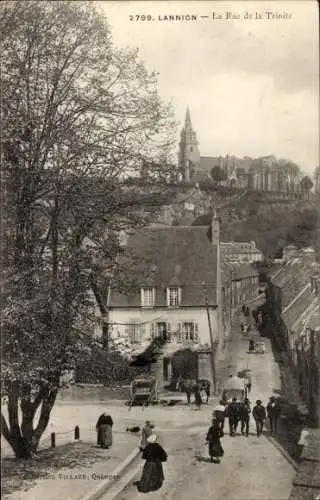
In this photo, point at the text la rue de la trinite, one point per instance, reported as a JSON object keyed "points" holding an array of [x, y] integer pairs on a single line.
{"points": [[268, 14]]}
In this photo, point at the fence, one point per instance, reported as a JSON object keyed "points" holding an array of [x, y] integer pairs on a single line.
{"points": [[55, 439]]}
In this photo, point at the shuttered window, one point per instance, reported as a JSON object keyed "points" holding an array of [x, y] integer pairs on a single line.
{"points": [[173, 297], [147, 297], [190, 331], [134, 330]]}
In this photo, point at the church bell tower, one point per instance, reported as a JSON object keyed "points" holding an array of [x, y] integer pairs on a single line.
{"points": [[189, 155]]}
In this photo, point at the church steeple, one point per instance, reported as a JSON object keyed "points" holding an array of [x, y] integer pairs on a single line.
{"points": [[189, 156], [188, 118]]}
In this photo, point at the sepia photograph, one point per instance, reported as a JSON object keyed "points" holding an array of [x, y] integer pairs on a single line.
{"points": [[160, 250]]}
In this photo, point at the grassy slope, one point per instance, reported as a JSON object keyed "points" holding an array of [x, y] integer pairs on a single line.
{"points": [[271, 224]]}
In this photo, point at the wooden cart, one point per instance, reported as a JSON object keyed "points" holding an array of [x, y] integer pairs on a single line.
{"points": [[143, 391]]}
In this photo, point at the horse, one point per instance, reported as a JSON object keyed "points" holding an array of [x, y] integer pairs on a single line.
{"points": [[189, 385]]}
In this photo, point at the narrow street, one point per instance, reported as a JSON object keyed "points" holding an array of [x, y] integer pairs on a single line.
{"points": [[252, 468]]}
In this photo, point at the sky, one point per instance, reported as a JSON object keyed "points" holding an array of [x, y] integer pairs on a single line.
{"points": [[252, 85]]}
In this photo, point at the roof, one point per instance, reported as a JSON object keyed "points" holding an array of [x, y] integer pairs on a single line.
{"points": [[203, 169], [177, 256], [297, 308], [237, 270]]}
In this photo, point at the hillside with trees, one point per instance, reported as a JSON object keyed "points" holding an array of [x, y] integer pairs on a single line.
{"points": [[272, 225]]}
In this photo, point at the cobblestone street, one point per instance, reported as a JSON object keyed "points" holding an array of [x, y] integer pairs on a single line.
{"points": [[252, 468]]}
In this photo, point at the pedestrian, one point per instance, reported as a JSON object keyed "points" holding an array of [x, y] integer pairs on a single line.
{"points": [[104, 431], [248, 385], [197, 397], [219, 413], [251, 345], [273, 412], [259, 414], [245, 411], [242, 327], [147, 430], [213, 439], [152, 475], [232, 413]]}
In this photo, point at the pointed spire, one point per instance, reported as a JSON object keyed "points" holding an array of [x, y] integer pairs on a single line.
{"points": [[188, 118]]}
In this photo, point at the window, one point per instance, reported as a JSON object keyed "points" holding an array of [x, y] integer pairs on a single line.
{"points": [[134, 331], [147, 297], [190, 331], [173, 297], [159, 330]]}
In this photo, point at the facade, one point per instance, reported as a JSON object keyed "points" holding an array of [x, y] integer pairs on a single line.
{"points": [[186, 294], [293, 297], [182, 265], [262, 174], [241, 251]]}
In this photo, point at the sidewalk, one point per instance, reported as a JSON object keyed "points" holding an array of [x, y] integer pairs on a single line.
{"points": [[88, 466]]}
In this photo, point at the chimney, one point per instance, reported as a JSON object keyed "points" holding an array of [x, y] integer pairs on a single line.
{"points": [[215, 240], [215, 229]]}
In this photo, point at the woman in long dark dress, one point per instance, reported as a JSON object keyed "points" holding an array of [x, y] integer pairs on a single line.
{"points": [[152, 475], [104, 431], [213, 438]]}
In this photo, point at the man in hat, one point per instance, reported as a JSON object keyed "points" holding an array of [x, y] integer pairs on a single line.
{"points": [[233, 416], [273, 411], [245, 417], [259, 415]]}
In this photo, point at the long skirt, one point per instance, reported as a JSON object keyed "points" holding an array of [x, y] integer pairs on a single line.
{"points": [[152, 477], [215, 449], [105, 436]]}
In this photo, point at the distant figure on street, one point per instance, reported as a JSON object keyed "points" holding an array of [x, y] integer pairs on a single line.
{"points": [[219, 413], [147, 430], [245, 411], [152, 475], [251, 345], [233, 416], [213, 439], [197, 397], [259, 414], [242, 327], [104, 431], [248, 385], [273, 412]]}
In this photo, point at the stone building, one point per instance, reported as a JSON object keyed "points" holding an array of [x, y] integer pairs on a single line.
{"points": [[185, 294], [262, 174], [293, 299], [241, 251]]}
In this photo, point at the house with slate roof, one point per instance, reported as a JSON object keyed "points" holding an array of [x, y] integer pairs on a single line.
{"points": [[180, 277], [185, 292], [293, 297]]}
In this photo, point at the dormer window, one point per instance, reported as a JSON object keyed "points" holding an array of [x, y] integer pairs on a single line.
{"points": [[173, 296], [148, 295]]}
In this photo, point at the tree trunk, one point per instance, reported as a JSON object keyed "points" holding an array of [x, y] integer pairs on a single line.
{"points": [[24, 440]]}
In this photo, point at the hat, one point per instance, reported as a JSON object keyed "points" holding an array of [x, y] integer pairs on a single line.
{"points": [[258, 402], [272, 398], [152, 438]]}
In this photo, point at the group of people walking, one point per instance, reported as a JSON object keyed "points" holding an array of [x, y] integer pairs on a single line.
{"points": [[238, 412]]}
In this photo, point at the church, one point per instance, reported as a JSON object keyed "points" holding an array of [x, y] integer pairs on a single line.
{"points": [[263, 174]]}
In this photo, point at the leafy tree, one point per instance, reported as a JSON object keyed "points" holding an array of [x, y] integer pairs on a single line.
{"points": [[78, 117], [218, 174], [306, 184]]}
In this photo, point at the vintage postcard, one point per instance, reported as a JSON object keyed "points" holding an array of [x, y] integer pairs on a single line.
{"points": [[160, 250]]}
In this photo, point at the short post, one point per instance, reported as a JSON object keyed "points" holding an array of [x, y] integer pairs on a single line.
{"points": [[76, 432], [53, 439]]}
